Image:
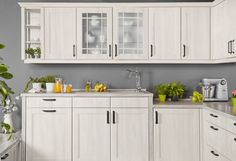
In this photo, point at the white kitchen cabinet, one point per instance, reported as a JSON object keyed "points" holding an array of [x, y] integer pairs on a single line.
{"points": [[91, 134], [130, 28], [94, 33], [48, 134], [12, 154], [164, 33], [129, 134], [196, 33], [60, 33], [176, 135]]}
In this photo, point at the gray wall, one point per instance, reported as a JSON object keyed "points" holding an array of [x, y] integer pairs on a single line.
{"points": [[114, 75]]}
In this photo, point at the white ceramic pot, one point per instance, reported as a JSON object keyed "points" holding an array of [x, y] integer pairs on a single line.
{"points": [[37, 86], [49, 87], [8, 119]]}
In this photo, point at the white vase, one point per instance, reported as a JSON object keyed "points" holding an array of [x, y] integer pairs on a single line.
{"points": [[8, 119], [49, 87], [37, 86]]}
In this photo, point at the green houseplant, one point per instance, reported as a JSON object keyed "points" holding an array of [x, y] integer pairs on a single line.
{"points": [[162, 91], [8, 106], [33, 53], [49, 81], [176, 91], [36, 83]]}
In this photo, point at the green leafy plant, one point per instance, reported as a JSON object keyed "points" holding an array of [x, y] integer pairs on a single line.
{"points": [[49, 79], [7, 130], [33, 52], [5, 92], [33, 80], [162, 89], [176, 90]]}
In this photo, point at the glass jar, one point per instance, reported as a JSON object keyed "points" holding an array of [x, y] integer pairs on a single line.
{"points": [[88, 86], [58, 85]]}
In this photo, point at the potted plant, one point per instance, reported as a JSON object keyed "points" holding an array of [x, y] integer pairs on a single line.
{"points": [[36, 84], [32, 53], [176, 91], [233, 99], [6, 102], [50, 80], [162, 91]]}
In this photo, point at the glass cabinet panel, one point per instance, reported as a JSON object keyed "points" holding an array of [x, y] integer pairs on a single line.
{"points": [[131, 39], [94, 25]]}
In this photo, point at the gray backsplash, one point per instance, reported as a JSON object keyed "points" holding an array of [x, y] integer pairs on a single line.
{"points": [[114, 75]]}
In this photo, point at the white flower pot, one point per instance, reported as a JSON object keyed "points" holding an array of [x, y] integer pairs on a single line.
{"points": [[8, 119], [49, 87], [37, 86]]}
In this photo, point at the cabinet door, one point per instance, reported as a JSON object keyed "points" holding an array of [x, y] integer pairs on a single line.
{"points": [[94, 33], [91, 134], [196, 33], [176, 135], [130, 33], [48, 134], [60, 33], [164, 33], [11, 155], [129, 134]]}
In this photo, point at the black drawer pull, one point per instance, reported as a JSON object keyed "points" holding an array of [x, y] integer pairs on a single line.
{"points": [[212, 152], [108, 117], [212, 115], [214, 128], [234, 139], [234, 124], [5, 157], [49, 110], [46, 99], [156, 121], [114, 117]]}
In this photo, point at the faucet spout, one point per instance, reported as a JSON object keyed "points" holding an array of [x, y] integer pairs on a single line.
{"points": [[137, 78]]}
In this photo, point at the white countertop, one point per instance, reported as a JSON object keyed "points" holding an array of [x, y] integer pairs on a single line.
{"points": [[80, 92]]}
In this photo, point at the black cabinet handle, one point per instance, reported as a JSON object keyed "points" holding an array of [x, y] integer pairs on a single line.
{"points": [[212, 152], [156, 120], [115, 49], [108, 117], [151, 50], [234, 124], [212, 127], [49, 99], [74, 50], [114, 117], [232, 46], [234, 139], [49, 110], [109, 50], [184, 46], [5, 157], [212, 115]]}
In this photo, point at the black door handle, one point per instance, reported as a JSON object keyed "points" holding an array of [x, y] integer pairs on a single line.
{"points": [[151, 50], [114, 117], [108, 117], [74, 50], [232, 46], [212, 152], [234, 124], [109, 50], [115, 50], [212, 115], [5, 157], [229, 42], [49, 99], [156, 121], [184, 46], [49, 110], [234, 139], [212, 127]]}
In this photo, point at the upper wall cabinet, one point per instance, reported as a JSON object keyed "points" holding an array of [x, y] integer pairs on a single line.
{"points": [[130, 33], [60, 33], [196, 33], [164, 33], [94, 33]]}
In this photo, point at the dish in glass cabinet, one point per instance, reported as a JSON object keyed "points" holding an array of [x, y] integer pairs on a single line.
{"points": [[95, 22], [90, 38]]}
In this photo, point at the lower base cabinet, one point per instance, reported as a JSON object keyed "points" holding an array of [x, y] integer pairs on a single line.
{"points": [[13, 154], [176, 134]]}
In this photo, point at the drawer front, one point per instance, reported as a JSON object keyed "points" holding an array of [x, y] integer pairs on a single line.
{"points": [[49, 102], [231, 125], [91, 102], [132, 102], [211, 154], [231, 142], [215, 118]]}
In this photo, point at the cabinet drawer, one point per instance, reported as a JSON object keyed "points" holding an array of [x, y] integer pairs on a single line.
{"points": [[215, 118], [119, 102], [231, 142], [49, 102], [211, 154], [91, 102], [231, 125]]}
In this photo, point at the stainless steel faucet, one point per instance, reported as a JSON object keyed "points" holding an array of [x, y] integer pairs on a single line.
{"points": [[137, 77]]}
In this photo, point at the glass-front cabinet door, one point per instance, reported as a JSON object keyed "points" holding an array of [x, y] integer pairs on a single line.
{"points": [[130, 33], [94, 33]]}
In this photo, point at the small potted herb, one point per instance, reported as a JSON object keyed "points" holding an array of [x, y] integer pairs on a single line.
{"points": [[162, 91], [50, 80], [36, 84], [233, 99], [176, 91], [33, 53]]}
